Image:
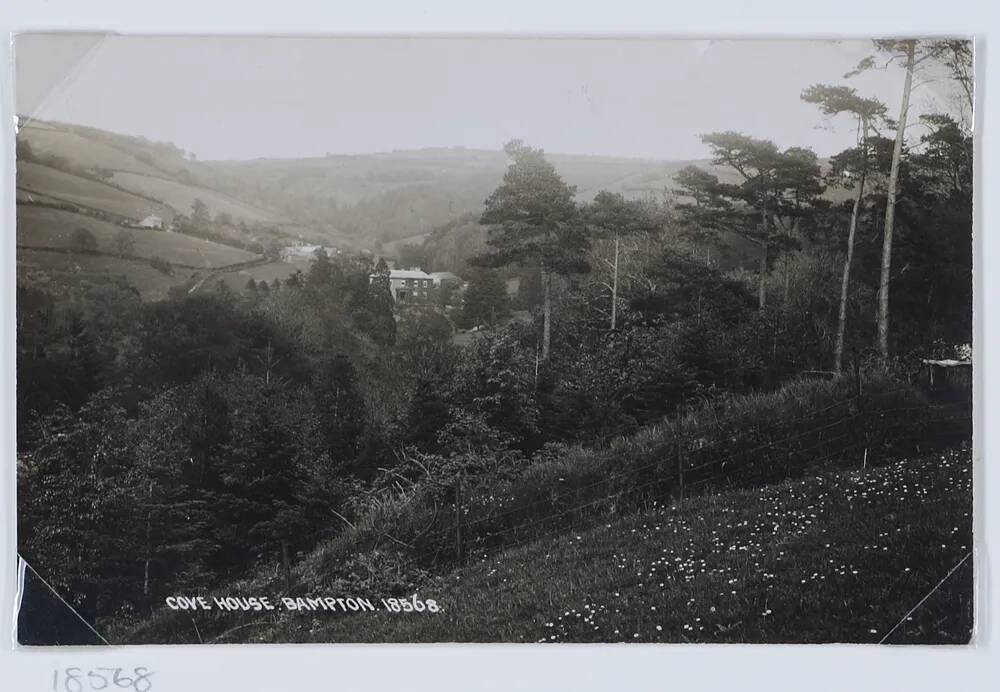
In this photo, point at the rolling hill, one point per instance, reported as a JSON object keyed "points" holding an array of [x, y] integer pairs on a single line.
{"points": [[58, 270], [80, 147], [52, 185], [72, 177], [403, 194], [378, 201], [41, 227], [180, 196]]}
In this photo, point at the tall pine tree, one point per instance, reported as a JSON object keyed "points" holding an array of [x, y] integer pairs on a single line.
{"points": [[535, 220]]}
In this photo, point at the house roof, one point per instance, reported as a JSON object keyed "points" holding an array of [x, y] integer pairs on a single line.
{"points": [[408, 274]]}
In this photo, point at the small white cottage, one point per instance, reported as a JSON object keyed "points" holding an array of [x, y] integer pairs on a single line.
{"points": [[151, 221]]}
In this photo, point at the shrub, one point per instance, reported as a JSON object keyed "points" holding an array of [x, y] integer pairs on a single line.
{"points": [[83, 240], [161, 265]]}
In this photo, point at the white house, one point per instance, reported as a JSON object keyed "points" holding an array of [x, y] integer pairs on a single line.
{"points": [[151, 221]]}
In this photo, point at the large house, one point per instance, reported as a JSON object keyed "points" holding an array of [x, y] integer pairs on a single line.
{"points": [[414, 285], [410, 285]]}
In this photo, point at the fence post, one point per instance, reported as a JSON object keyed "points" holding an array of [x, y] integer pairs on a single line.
{"points": [[860, 408], [458, 519], [857, 377], [680, 454]]}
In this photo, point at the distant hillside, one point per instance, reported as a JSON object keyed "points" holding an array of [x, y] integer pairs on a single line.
{"points": [[54, 228], [71, 179], [182, 195], [348, 201], [154, 170], [396, 198], [91, 148], [404, 194], [52, 185]]}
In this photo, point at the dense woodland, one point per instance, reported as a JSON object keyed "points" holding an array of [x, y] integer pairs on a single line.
{"points": [[220, 431]]}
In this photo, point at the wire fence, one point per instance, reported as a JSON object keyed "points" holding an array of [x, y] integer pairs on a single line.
{"points": [[849, 432], [862, 436]]}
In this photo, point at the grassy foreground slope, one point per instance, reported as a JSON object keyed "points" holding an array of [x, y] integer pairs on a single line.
{"points": [[841, 557], [577, 526]]}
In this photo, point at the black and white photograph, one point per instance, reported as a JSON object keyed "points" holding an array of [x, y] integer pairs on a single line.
{"points": [[378, 339]]}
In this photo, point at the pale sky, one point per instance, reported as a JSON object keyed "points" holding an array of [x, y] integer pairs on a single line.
{"points": [[240, 98]]}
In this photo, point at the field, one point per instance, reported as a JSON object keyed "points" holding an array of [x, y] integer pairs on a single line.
{"points": [[81, 150], [40, 226], [237, 280], [26, 197], [37, 269], [181, 196], [841, 557], [65, 187]]}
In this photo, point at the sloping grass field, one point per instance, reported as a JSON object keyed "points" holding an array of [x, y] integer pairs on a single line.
{"points": [[39, 269], [45, 227], [841, 557], [796, 501], [237, 280], [66, 187], [181, 196], [79, 149]]}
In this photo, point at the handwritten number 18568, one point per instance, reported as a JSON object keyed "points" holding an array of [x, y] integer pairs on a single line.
{"points": [[96, 679]]}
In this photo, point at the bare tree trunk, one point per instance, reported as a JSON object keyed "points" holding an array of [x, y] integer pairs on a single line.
{"points": [[845, 282], [614, 288], [546, 312], [787, 263], [762, 285], [890, 208], [536, 367]]}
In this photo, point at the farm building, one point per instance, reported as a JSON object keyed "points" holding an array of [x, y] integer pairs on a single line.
{"points": [[441, 278], [297, 253], [151, 221]]}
